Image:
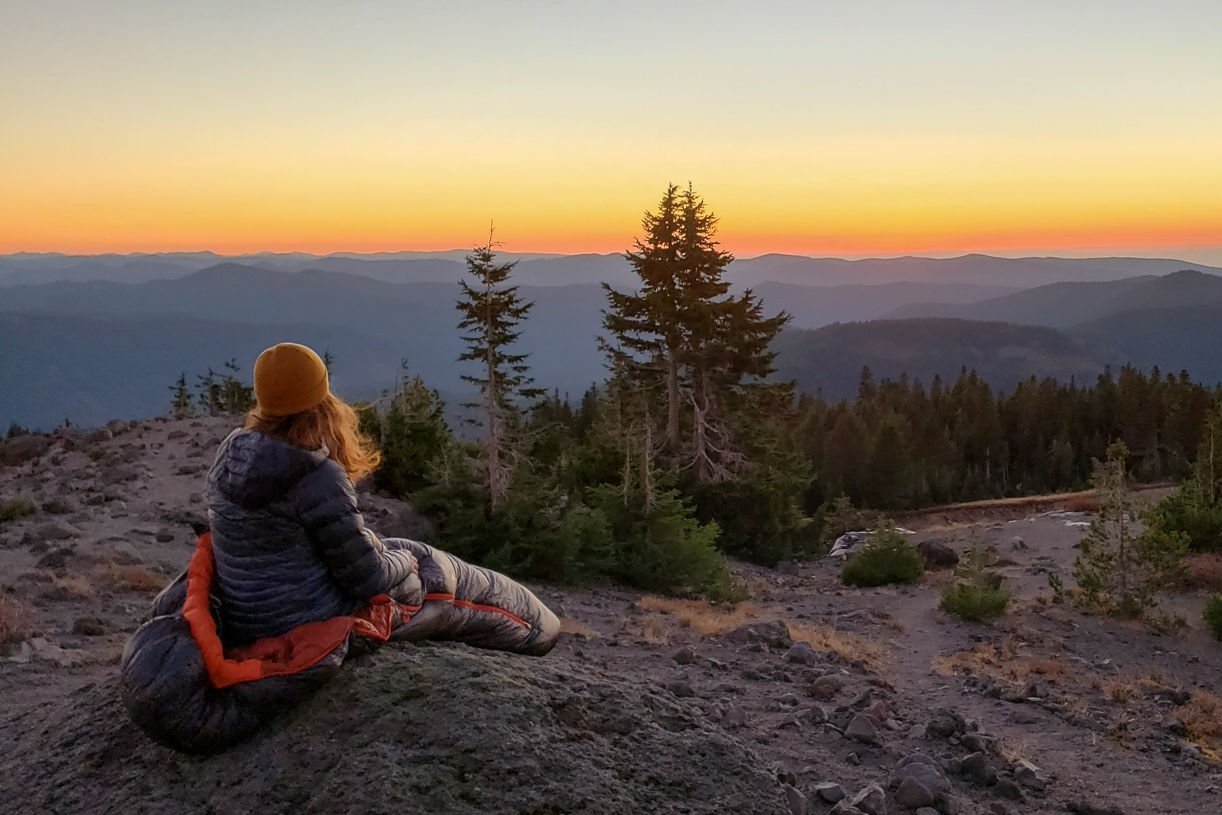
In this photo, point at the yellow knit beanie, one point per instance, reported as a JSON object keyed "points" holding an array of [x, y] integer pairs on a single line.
{"points": [[289, 378]]}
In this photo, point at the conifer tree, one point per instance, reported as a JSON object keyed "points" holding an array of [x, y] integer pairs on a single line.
{"points": [[1119, 567], [491, 312], [414, 435], [236, 398], [683, 335], [211, 393], [181, 403]]}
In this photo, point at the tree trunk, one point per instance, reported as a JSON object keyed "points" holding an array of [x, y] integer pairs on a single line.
{"points": [[672, 400]]}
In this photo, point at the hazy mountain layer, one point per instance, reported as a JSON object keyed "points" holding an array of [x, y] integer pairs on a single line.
{"points": [[552, 270], [1069, 304]]}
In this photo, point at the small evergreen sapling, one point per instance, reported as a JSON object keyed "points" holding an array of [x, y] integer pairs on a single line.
{"points": [[977, 594], [1121, 568], [887, 558]]}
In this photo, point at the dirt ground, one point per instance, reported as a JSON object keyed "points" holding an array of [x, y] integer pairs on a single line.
{"points": [[804, 686]]}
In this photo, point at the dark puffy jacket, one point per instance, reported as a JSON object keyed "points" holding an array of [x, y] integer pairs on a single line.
{"points": [[289, 541]]}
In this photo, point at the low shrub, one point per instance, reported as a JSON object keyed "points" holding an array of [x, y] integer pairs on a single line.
{"points": [[977, 593], [887, 558], [974, 603], [1213, 615], [17, 508]]}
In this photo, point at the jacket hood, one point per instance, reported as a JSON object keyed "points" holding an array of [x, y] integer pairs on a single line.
{"points": [[253, 469]]}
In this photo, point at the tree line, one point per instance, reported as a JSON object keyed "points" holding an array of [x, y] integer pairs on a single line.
{"points": [[690, 448]]}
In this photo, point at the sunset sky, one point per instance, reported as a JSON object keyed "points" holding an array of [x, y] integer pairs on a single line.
{"points": [[824, 128]]}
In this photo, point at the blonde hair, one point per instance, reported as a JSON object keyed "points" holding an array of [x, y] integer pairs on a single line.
{"points": [[333, 424]]}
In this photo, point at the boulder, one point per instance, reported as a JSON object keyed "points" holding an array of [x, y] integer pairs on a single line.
{"points": [[938, 555]]}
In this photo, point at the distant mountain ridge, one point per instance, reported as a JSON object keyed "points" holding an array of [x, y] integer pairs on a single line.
{"points": [[90, 351], [547, 270], [1062, 305]]}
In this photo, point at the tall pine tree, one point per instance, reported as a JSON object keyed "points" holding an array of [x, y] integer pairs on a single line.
{"points": [[682, 334], [491, 311]]}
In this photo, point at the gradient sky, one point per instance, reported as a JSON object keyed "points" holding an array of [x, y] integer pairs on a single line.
{"points": [[826, 128]]}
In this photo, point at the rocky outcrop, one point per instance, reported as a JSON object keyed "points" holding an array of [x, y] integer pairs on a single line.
{"points": [[428, 729]]}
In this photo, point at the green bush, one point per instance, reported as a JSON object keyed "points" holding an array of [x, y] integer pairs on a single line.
{"points": [[977, 594], [17, 508], [665, 548], [968, 601], [1213, 615], [1190, 512], [887, 558]]}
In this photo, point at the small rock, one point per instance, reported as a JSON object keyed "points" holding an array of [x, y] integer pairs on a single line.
{"points": [[796, 800], [945, 724], [862, 729], [912, 794], [774, 634], [1006, 788], [1029, 775], [57, 558], [680, 688], [734, 718], [977, 769], [800, 653], [1084, 808], [871, 800], [88, 627], [164, 536], [685, 655], [788, 700], [829, 791], [927, 811], [55, 532], [977, 743], [937, 555], [825, 687], [58, 506]]}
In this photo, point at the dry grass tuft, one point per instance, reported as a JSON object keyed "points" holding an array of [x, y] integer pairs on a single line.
{"points": [[16, 623], [576, 628], [130, 578], [711, 620], [75, 587], [705, 618], [1202, 717], [1203, 571], [1004, 664], [849, 647]]}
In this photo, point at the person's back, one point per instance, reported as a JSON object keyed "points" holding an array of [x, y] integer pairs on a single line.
{"points": [[269, 578], [288, 540]]}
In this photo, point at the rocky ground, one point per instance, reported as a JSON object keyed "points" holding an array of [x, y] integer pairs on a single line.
{"points": [[807, 698]]}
